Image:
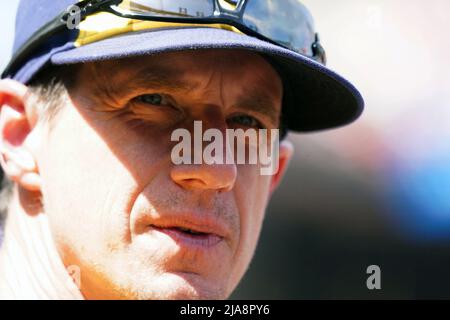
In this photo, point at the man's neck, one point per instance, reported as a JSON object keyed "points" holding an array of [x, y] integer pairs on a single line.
{"points": [[30, 267]]}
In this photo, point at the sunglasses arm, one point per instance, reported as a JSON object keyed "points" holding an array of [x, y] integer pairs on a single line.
{"points": [[318, 51]]}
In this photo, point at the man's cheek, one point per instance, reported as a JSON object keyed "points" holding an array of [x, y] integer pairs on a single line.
{"points": [[250, 196], [84, 223]]}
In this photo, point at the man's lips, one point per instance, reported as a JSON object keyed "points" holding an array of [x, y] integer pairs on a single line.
{"points": [[190, 239], [191, 230]]}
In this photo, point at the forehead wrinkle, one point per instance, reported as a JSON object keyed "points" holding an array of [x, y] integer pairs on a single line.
{"points": [[119, 78], [159, 77], [221, 76], [221, 88], [214, 86]]}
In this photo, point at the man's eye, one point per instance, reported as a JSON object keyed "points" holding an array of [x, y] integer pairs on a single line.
{"points": [[154, 99], [246, 121]]}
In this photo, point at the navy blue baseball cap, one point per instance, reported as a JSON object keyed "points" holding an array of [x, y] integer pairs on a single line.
{"points": [[315, 97]]}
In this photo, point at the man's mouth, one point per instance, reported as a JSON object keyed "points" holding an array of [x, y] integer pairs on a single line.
{"points": [[189, 231], [190, 236]]}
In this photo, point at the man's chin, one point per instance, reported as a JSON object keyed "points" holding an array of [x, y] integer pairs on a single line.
{"points": [[181, 286]]}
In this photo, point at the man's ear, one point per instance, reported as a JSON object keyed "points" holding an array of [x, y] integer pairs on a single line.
{"points": [[285, 155], [16, 123]]}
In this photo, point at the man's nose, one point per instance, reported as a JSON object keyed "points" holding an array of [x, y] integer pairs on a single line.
{"points": [[219, 177]]}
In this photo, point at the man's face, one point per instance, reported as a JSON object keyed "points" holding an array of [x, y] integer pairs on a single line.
{"points": [[115, 200]]}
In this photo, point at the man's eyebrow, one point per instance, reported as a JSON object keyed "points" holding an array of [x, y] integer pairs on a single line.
{"points": [[262, 103], [158, 77]]}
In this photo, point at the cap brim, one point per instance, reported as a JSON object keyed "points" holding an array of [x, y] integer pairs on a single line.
{"points": [[316, 98]]}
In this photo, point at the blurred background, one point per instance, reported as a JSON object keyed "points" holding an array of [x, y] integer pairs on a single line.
{"points": [[376, 192]]}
